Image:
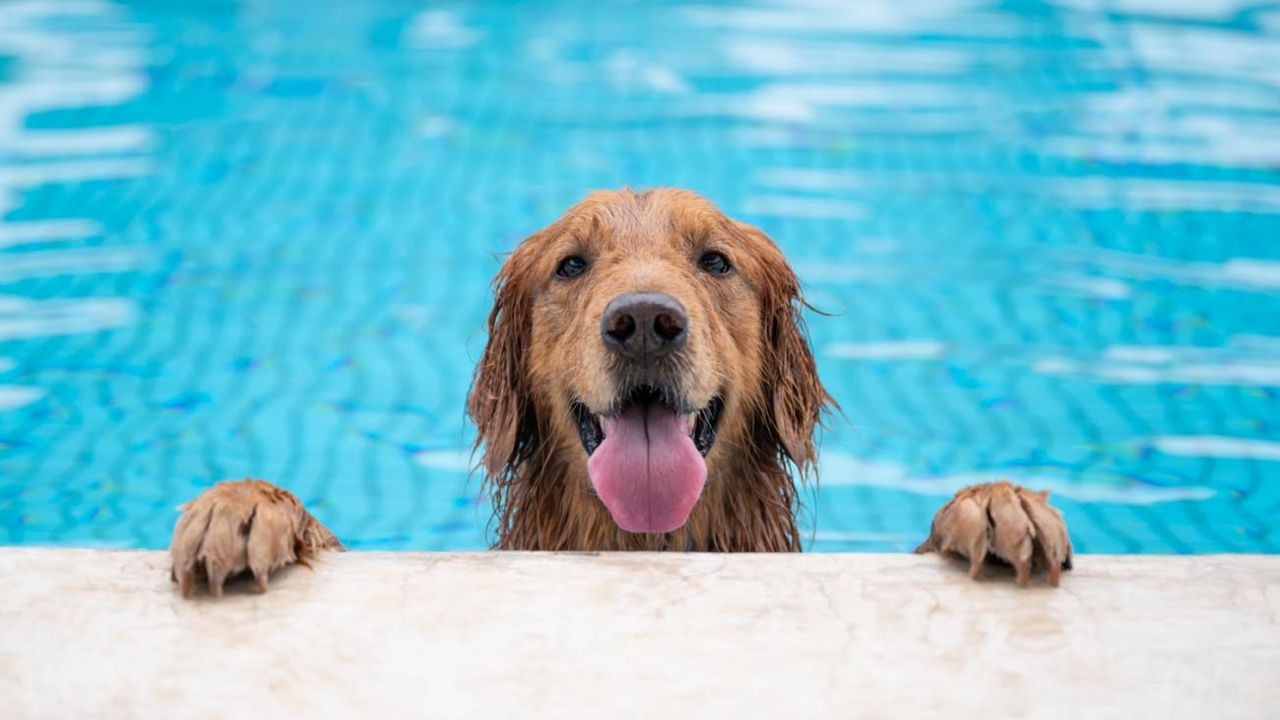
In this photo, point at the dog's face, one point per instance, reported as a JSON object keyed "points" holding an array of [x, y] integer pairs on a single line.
{"points": [[650, 338]]}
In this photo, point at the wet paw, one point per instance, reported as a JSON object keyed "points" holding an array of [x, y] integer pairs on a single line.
{"points": [[1006, 521], [249, 525]]}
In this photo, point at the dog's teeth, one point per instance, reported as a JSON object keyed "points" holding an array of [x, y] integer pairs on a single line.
{"points": [[691, 422]]}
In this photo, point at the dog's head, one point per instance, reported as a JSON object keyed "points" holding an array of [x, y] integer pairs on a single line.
{"points": [[649, 337]]}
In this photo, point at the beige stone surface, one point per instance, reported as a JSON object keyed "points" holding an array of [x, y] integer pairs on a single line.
{"points": [[88, 633]]}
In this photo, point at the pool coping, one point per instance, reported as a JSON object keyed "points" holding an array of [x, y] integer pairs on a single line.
{"points": [[92, 633]]}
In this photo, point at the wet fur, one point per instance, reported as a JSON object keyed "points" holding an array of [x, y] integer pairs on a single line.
{"points": [[748, 336], [745, 344]]}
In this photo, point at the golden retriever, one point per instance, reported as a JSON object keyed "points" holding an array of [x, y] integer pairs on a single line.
{"points": [[647, 385]]}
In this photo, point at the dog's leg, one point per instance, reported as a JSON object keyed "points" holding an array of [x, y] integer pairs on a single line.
{"points": [[1007, 521], [246, 525]]}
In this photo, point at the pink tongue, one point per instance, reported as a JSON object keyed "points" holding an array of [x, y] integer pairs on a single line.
{"points": [[647, 471]]}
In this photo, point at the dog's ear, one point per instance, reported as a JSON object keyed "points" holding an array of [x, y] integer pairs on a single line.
{"points": [[796, 398], [500, 402]]}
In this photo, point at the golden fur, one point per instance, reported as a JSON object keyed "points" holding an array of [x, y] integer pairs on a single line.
{"points": [[744, 344], [247, 526], [544, 350]]}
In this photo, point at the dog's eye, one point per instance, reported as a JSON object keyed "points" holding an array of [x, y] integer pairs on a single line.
{"points": [[714, 263], [572, 266]]}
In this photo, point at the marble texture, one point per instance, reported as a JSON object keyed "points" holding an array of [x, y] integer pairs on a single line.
{"points": [[87, 633]]}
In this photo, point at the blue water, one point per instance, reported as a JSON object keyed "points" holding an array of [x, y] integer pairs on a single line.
{"points": [[255, 239]]}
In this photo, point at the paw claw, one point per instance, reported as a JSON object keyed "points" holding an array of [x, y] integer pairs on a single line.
{"points": [[975, 566], [215, 585], [235, 527], [1005, 521]]}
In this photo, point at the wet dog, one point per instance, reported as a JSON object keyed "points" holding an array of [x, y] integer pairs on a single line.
{"points": [[647, 385]]}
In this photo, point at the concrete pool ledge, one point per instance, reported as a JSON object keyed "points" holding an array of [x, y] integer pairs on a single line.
{"points": [[88, 633]]}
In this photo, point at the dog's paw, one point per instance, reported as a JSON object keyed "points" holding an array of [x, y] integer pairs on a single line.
{"points": [[1007, 521], [246, 525]]}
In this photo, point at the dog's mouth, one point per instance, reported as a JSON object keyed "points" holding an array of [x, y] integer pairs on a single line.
{"points": [[702, 423], [646, 457]]}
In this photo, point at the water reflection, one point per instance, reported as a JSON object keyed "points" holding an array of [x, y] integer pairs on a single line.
{"points": [[255, 239], [64, 57]]}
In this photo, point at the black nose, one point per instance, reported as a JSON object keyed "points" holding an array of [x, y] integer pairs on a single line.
{"points": [[643, 326]]}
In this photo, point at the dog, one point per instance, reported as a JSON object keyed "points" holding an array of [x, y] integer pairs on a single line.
{"points": [[647, 384]]}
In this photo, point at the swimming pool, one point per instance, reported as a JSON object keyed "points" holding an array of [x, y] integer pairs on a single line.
{"points": [[250, 239]]}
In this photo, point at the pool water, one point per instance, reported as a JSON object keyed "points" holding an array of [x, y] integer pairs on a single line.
{"points": [[256, 239]]}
